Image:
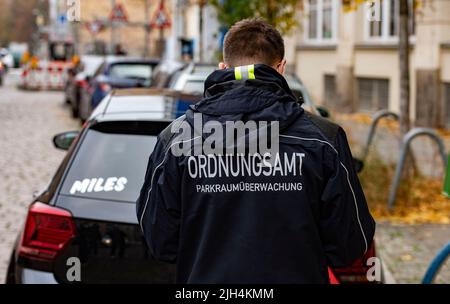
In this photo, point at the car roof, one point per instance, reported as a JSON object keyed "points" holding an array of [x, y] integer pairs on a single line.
{"points": [[184, 79], [118, 59], [169, 65], [196, 77], [199, 68], [141, 104], [90, 56], [92, 60]]}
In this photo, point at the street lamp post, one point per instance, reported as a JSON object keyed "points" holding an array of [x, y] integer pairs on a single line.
{"points": [[201, 4]]}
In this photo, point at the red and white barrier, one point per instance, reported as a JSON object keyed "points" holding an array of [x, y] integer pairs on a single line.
{"points": [[46, 76]]}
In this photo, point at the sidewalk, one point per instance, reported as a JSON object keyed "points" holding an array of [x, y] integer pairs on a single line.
{"points": [[386, 143], [407, 250], [28, 121]]}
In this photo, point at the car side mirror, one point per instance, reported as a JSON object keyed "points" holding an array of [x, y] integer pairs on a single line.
{"points": [[64, 140], [323, 111], [358, 165]]}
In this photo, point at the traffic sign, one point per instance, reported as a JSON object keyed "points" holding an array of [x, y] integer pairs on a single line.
{"points": [[62, 19], [161, 18], [118, 14], [95, 26]]}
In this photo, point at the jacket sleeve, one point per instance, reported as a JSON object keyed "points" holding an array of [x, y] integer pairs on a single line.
{"points": [[157, 207], [346, 226]]}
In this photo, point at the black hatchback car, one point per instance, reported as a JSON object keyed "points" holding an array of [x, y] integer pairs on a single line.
{"points": [[88, 211]]}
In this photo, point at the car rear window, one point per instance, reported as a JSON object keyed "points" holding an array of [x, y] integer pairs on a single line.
{"points": [[131, 70], [111, 162]]}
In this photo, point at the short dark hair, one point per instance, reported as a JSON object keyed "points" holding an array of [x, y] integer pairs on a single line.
{"points": [[252, 41]]}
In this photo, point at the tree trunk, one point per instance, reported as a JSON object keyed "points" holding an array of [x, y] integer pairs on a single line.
{"points": [[405, 123], [201, 42], [271, 12], [404, 67], [146, 29]]}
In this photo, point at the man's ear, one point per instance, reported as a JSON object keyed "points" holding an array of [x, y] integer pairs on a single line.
{"points": [[281, 68], [222, 66]]}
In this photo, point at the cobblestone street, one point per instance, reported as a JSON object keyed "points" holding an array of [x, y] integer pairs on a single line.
{"points": [[28, 121]]}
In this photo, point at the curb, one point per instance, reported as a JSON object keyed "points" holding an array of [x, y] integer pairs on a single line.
{"points": [[387, 275]]}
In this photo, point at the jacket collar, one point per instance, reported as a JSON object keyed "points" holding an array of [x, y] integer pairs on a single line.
{"points": [[222, 80], [262, 96]]}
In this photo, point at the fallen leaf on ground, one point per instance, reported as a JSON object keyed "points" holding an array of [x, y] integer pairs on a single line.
{"points": [[406, 257]]}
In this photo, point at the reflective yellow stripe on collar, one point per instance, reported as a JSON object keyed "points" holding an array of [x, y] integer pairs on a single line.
{"points": [[244, 72]]}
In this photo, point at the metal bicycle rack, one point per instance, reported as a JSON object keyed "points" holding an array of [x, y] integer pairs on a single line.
{"points": [[373, 127], [412, 134], [436, 264]]}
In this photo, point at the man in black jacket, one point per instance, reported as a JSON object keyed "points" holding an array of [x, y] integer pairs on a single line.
{"points": [[274, 200]]}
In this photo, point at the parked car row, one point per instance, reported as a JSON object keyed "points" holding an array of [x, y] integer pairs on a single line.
{"points": [[96, 76], [2, 73], [78, 81], [6, 63], [190, 78], [6, 58]]}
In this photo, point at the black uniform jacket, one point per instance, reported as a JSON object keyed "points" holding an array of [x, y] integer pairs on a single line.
{"points": [[253, 217]]}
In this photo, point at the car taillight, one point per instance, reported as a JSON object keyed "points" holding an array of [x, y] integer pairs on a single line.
{"points": [[47, 232], [357, 273], [332, 277], [105, 87]]}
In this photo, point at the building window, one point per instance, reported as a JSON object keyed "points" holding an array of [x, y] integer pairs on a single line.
{"points": [[312, 34], [321, 21], [330, 89], [327, 18], [373, 94], [387, 28]]}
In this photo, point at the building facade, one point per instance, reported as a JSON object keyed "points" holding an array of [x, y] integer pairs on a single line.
{"points": [[196, 25], [131, 35], [183, 35], [350, 61]]}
